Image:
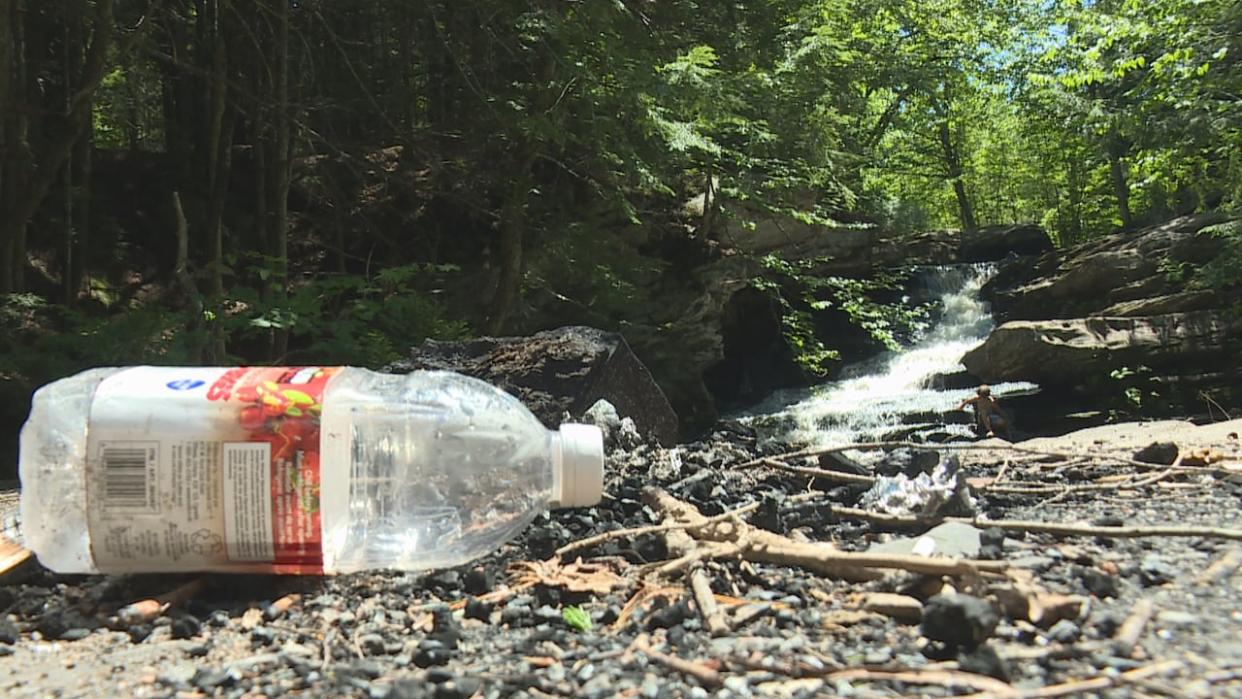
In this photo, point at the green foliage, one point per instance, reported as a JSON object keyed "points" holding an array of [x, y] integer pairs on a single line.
{"points": [[577, 618], [1226, 268], [802, 294]]}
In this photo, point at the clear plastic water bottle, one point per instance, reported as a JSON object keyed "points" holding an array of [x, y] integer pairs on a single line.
{"points": [[288, 470]]}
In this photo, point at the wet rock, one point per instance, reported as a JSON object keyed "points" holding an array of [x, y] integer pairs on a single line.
{"points": [[1163, 453], [958, 620], [991, 543]]}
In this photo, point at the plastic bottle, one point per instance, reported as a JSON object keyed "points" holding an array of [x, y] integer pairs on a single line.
{"points": [[288, 469]]}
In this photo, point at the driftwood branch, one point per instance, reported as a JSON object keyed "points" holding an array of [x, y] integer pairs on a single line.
{"points": [[1132, 628]]}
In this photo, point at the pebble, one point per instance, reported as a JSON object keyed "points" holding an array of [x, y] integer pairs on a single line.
{"points": [[1155, 571], [187, 626], [958, 620], [8, 632], [372, 644], [208, 679], [430, 653], [983, 660], [1064, 631]]}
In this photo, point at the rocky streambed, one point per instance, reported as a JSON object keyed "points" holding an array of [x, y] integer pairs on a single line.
{"points": [[775, 601]]}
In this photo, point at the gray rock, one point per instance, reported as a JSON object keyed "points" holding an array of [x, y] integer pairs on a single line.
{"points": [[953, 539]]}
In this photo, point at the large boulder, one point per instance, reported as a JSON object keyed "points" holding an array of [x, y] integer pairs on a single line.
{"points": [[557, 372], [1069, 352], [1130, 273], [992, 243]]}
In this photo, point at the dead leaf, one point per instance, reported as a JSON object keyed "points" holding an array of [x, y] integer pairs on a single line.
{"points": [[595, 577]]}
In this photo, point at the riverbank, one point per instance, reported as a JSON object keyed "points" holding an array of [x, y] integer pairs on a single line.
{"points": [[1060, 613]]}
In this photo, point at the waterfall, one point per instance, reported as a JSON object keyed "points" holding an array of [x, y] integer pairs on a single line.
{"points": [[892, 394]]}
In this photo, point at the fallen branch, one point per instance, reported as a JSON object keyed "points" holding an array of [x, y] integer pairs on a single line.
{"points": [[1096, 683], [876, 446], [737, 538], [713, 619]]}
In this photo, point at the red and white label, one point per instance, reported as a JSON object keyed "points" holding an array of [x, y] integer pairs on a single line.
{"points": [[207, 469]]}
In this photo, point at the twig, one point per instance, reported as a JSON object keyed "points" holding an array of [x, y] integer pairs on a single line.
{"points": [[1135, 532], [874, 446], [1221, 568], [713, 619], [1132, 629], [652, 529], [1097, 683], [927, 677], [820, 473], [706, 676]]}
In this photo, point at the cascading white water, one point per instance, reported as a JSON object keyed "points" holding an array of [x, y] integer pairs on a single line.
{"points": [[874, 398]]}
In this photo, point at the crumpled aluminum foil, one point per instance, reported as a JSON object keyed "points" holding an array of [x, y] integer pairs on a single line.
{"points": [[941, 493]]}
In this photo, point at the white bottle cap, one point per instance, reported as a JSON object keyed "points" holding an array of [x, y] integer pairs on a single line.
{"points": [[581, 466]]}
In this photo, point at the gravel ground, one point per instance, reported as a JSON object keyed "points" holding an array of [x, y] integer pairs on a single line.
{"points": [[475, 631]]}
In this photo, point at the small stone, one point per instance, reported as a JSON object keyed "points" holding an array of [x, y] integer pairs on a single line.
{"points": [[1154, 571], [431, 653], [458, 688], [75, 634], [6, 651], [438, 675], [958, 620], [8, 631], [737, 685], [670, 616], [881, 656], [198, 650], [1099, 583], [1064, 631], [262, 635], [478, 609], [218, 618], [186, 626], [372, 643], [178, 675], [139, 632], [208, 679], [365, 667], [1162, 453], [479, 581], [983, 660]]}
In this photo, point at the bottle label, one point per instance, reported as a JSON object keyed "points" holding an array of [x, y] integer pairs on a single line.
{"points": [[207, 469]]}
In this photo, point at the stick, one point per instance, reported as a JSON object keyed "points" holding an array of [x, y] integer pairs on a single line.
{"points": [[1136, 532], [1132, 629], [1097, 683], [652, 529], [821, 473], [874, 446], [706, 676], [713, 619], [944, 678], [1221, 568], [761, 546]]}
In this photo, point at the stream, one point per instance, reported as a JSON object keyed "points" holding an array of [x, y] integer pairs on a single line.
{"points": [[894, 395]]}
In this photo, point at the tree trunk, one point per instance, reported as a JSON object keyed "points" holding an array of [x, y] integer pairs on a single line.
{"points": [[218, 153], [9, 58], [514, 216], [280, 170], [83, 161], [1121, 186], [953, 163]]}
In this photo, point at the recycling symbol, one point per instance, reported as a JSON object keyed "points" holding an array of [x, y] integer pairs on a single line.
{"points": [[203, 542]]}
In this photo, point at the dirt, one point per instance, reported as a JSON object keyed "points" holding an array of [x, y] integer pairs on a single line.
{"points": [[792, 632]]}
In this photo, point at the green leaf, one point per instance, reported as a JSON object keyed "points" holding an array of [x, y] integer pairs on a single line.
{"points": [[577, 618]]}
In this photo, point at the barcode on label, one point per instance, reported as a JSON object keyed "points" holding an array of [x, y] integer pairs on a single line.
{"points": [[129, 475]]}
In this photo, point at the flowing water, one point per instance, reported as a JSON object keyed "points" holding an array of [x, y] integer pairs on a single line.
{"points": [[883, 396]]}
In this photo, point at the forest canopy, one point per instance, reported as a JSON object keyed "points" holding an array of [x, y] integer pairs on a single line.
{"points": [[261, 180]]}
